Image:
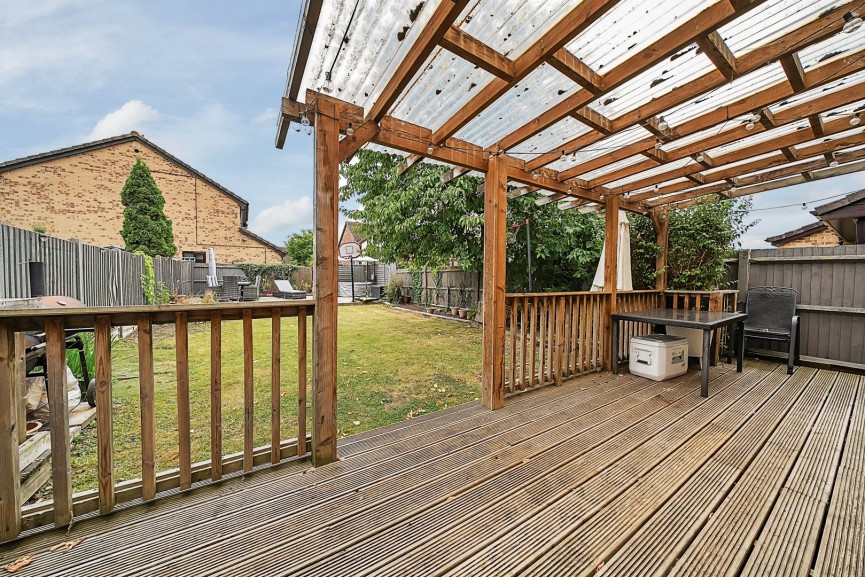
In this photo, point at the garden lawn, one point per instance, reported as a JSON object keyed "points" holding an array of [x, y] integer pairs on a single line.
{"points": [[392, 365]]}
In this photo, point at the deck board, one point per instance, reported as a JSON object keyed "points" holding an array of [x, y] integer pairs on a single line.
{"points": [[605, 475]]}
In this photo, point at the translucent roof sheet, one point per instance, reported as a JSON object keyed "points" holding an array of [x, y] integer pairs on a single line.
{"points": [[599, 172], [553, 138], [658, 171], [773, 20], [764, 136], [628, 28], [831, 49], [511, 26], [603, 147], [834, 86]]}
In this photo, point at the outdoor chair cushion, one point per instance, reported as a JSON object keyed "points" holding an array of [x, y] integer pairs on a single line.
{"points": [[285, 290]]}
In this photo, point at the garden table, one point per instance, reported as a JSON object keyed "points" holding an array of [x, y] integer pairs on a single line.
{"points": [[707, 321]]}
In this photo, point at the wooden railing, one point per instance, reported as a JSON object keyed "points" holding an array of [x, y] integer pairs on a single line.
{"points": [[552, 336], [631, 301], [717, 301], [54, 323]]}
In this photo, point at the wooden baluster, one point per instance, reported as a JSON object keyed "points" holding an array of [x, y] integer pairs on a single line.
{"points": [[216, 396], [581, 350], [275, 380], [20, 375], [104, 426], [599, 307], [181, 337], [675, 301], [148, 418], [542, 372], [533, 341], [58, 407], [248, 391], [301, 381], [560, 339], [512, 361], [10, 489], [524, 319], [568, 308]]}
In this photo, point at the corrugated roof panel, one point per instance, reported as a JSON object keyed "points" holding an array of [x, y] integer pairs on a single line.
{"points": [[511, 26], [733, 91], [851, 81], [833, 48], [854, 130], [628, 28], [847, 110], [730, 124], [712, 171], [772, 20], [379, 36], [446, 84], [658, 171], [763, 136], [598, 172], [552, 138], [540, 90], [603, 147], [654, 83]]}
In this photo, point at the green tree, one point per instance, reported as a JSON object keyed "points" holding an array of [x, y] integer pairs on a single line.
{"points": [[298, 248], [145, 229], [700, 238], [416, 219]]}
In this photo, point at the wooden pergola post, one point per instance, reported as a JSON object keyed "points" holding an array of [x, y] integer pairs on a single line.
{"points": [[495, 227], [325, 283], [10, 491], [661, 222], [611, 266]]}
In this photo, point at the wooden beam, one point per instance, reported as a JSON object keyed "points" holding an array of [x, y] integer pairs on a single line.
{"points": [[440, 22], [816, 125], [362, 135], [577, 70], [793, 70], [473, 50], [594, 120], [10, 490], [714, 47], [569, 27], [454, 174], [495, 230], [324, 350], [415, 139], [409, 162]]}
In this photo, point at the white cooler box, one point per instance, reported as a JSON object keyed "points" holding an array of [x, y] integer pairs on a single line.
{"points": [[658, 357]]}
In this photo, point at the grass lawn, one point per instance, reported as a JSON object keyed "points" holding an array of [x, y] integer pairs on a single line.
{"points": [[392, 365]]}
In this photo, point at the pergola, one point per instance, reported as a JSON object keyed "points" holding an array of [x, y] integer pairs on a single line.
{"points": [[632, 105]]}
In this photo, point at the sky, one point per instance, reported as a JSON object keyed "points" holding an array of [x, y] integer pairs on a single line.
{"points": [[203, 80]]}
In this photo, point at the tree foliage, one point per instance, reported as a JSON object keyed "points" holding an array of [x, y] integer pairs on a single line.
{"points": [[700, 238], [416, 219], [298, 248], [145, 229]]}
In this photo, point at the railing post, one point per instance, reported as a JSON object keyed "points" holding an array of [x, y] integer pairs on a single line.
{"points": [[58, 407], [495, 227], [325, 280], [10, 490], [611, 274]]}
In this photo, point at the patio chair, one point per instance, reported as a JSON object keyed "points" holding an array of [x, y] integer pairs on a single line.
{"points": [[231, 288], [772, 316], [214, 286], [249, 292], [284, 290]]}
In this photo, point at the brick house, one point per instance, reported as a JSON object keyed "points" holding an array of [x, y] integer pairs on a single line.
{"points": [[74, 193], [810, 235]]}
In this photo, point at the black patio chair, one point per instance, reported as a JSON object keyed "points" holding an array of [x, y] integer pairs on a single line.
{"points": [[772, 316]]}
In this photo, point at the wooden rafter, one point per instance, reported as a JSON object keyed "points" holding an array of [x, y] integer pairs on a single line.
{"points": [[793, 70], [577, 70], [469, 48], [454, 174], [719, 53]]}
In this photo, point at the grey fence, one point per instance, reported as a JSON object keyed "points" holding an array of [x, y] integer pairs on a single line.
{"points": [[451, 287], [830, 283], [94, 275]]}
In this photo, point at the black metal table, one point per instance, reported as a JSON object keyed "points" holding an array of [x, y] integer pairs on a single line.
{"points": [[707, 321]]}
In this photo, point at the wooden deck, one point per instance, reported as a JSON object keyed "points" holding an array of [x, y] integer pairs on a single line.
{"points": [[604, 475]]}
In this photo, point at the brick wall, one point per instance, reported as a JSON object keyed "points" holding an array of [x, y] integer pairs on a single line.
{"points": [[824, 237], [78, 197]]}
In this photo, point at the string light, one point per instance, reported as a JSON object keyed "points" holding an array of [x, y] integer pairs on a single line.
{"points": [[627, 195], [699, 157], [855, 120], [657, 144], [429, 149], [804, 206], [349, 131], [535, 175], [656, 188], [328, 83], [662, 124], [304, 119], [563, 156], [851, 23]]}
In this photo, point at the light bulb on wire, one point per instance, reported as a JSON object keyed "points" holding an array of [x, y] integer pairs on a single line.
{"points": [[662, 124], [328, 83], [349, 131], [304, 119], [855, 120], [851, 23]]}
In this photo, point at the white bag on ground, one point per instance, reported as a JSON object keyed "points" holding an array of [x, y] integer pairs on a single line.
{"points": [[36, 395]]}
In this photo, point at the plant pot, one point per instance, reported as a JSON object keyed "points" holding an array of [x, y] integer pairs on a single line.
{"points": [[463, 313], [406, 299], [430, 310], [32, 427], [455, 311]]}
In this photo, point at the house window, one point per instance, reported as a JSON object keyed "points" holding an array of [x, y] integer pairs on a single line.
{"points": [[198, 257]]}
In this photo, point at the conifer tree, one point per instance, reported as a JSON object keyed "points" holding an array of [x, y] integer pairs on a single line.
{"points": [[145, 227]]}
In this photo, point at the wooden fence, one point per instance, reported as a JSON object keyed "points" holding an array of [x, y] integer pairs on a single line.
{"points": [[830, 284], [64, 505], [94, 275]]}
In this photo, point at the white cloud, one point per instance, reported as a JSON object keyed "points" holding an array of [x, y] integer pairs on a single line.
{"points": [[133, 115], [284, 218], [266, 117]]}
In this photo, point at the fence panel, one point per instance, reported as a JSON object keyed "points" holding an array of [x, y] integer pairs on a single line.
{"points": [[830, 284]]}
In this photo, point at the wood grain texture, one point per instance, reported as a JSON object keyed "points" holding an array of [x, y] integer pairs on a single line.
{"points": [[325, 282], [216, 396], [58, 404], [181, 340], [495, 229], [104, 412], [10, 500], [20, 376], [301, 383], [275, 385], [148, 416], [248, 392]]}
